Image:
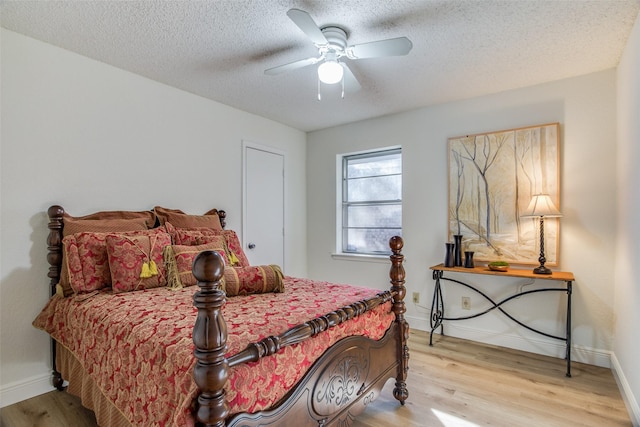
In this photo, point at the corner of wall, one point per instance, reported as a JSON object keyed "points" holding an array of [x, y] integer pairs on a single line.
{"points": [[629, 399]]}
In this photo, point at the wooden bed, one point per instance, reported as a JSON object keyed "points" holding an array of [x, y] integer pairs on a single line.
{"points": [[339, 385]]}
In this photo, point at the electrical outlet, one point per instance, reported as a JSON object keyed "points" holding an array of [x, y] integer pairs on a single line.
{"points": [[416, 297], [466, 303]]}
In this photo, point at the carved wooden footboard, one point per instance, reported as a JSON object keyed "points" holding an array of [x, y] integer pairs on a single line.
{"points": [[339, 385]]}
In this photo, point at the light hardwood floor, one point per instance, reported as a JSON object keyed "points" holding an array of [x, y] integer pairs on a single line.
{"points": [[454, 383]]}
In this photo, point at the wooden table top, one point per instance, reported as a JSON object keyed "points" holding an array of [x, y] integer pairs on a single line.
{"points": [[528, 273]]}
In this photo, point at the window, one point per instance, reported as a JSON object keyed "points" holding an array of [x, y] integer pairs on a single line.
{"points": [[371, 201]]}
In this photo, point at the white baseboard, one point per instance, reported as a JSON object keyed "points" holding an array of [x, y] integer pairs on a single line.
{"points": [[25, 389], [630, 400], [547, 347]]}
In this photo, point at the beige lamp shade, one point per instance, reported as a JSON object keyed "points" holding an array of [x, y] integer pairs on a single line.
{"points": [[541, 205]]}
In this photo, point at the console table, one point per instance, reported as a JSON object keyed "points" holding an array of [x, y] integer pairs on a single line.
{"points": [[437, 303]]}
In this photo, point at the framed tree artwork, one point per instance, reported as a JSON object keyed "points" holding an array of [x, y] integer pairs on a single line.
{"points": [[492, 177]]}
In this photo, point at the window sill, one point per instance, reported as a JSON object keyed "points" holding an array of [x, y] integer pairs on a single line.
{"points": [[361, 257]]}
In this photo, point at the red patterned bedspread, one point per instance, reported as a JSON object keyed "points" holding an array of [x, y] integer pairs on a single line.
{"points": [[137, 346]]}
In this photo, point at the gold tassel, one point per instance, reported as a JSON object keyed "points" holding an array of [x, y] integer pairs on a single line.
{"points": [[145, 273], [173, 281], [279, 278], [233, 258], [153, 268]]}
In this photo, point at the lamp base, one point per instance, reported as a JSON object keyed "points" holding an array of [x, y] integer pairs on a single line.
{"points": [[541, 270]]}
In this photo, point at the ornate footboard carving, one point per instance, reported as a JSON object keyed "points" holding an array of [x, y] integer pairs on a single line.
{"points": [[337, 388], [340, 385]]}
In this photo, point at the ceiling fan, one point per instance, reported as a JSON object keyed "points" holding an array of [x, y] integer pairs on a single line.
{"points": [[331, 42]]}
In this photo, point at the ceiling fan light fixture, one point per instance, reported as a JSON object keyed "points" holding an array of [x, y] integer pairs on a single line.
{"points": [[331, 42], [330, 72]]}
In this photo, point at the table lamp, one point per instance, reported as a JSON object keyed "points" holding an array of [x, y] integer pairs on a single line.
{"points": [[541, 206]]}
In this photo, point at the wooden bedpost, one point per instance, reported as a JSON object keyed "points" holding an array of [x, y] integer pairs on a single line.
{"points": [[223, 218], [396, 274], [54, 245], [54, 258], [210, 339]]}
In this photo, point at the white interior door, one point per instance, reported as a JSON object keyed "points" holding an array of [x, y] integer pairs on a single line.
{"points": [[263, 207]]}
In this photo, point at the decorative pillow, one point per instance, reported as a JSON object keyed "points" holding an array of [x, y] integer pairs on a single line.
{"points": [[135, 261], [108, 221], [181, 220], [71, 269], [252, 280], [202, 236], [186, 237], [178, 260], [86, 261], [237, 256], [87, 265]]}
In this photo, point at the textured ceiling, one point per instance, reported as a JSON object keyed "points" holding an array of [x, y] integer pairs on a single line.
{"points": [[220, 49]]}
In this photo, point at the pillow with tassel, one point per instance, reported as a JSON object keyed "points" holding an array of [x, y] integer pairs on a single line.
{"points": [[202, 236], [136, 261], [178, 260]]}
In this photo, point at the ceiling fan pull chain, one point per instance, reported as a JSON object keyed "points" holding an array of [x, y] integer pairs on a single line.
{"points": [[319, 96], [343, 87]]}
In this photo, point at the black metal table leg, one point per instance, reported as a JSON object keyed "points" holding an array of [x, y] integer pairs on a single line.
{"points": [[568, 332], [437, 307]]}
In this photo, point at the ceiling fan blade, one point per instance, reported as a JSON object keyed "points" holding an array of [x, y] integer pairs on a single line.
{"points": [[291, 66], [305, 22], [351, 84], [390, 47]]}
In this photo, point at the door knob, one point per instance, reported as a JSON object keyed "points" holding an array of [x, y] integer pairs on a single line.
{"points": [[252, 245]]}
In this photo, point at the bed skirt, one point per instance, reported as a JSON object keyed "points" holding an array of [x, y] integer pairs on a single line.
{"points": [[82, 385]]}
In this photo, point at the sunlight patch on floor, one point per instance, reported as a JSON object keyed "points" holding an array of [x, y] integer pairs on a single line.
{"points": [[449, 420]]}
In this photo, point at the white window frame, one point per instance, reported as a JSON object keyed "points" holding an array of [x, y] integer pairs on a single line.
{"points": [[339, 253]]}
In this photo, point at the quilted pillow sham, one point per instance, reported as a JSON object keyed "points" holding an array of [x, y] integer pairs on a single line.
{"points": [[135, 261], [180, 219], [86, 262], [257, 279], [202, 236], [109, 221], [86, 259], [178, 260]]}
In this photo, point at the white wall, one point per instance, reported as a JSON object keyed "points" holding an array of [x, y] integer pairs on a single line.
{"points": [[90, 137], [627, 283], [585, 107]]}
